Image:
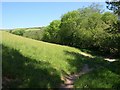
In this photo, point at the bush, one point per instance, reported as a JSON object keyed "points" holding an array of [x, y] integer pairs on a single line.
{"points": [[18, 32], [37, 34]]}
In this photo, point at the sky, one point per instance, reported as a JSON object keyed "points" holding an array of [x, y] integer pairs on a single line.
{"points": [[37, 14]]}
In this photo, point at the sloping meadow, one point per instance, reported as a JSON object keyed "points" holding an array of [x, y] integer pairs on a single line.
{"points": [[32, 63], [28, 63]]}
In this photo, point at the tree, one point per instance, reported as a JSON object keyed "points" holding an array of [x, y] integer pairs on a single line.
{"points": [[69, 25], [34, 34], [114, 5], [51, 31], [18, 32], [110, 20], [77, 27]]}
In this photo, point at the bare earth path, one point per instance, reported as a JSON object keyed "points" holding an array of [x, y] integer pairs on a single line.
{"points": [[70, 79]]}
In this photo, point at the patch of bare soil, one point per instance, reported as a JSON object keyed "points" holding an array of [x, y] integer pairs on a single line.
{"points": [[70, 79]]}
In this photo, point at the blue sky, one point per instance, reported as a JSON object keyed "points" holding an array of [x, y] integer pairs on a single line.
{"points": [[36, 14]]}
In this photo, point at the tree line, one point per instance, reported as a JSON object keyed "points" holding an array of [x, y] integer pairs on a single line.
{"points": [[86, 28]]}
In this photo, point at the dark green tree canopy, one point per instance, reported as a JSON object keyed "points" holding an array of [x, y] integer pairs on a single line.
{"points": [[87, 27], [114, 5], [51, 31]]}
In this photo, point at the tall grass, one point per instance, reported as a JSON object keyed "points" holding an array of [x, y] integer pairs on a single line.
{"points": [[38, 50], [31, 63]]}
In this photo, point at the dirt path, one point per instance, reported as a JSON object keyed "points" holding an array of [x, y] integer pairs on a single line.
{"points": [[70, 79], [91, 56]]}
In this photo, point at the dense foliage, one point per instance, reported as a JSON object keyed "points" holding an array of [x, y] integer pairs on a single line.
{"points": [[114, 5], [18, 31], [86, 28], [51, 32], [34, 34]]}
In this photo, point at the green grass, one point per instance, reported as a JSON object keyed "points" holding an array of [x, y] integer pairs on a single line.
{"points": [[100, 78], [32, 60], [25, 72], [32, 29], [56, 55], [31, 63]]}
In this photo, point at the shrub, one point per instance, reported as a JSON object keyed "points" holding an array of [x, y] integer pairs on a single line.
{"points": [[37, 34]]}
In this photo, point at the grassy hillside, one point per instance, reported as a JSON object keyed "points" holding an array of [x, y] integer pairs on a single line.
{"points": [[41, 51], [37, 59], [31, 63]]}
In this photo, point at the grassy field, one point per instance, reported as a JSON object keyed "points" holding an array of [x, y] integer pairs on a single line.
{"points": [[31, 63], [34, 61], [100, 78]]}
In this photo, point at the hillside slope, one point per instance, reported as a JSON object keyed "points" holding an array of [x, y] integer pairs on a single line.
{"points": [[40, 51], [21, 53], [31, 63]]}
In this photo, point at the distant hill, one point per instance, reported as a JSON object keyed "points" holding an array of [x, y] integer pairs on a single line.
{"points": [[33, 32]]}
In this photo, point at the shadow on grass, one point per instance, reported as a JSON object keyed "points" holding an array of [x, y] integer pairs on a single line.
{"points": [[80, 60], [19, 71], [104, 72], [96, 62], [99, 78]]}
